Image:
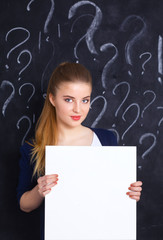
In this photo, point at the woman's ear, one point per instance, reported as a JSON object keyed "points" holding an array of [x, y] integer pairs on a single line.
{"points": [[51, 99]]}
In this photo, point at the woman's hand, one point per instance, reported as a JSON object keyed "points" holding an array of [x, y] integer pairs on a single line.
{"points": [[46, 183], [135, 190]]}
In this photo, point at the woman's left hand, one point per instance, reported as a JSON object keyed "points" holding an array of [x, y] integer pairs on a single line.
{"points": [[135, 190]]}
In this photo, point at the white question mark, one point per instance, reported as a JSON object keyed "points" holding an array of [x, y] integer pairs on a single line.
{"points": [[154, 97], [18, 127], [77, 44], [102, 111], [18, 60], [127, 93], [33, 90], [3, 84], [109, 63], [49, 17], [19, 44], [135, 120], [92, 29], [147, 60], [137, 36], [148, 135]]}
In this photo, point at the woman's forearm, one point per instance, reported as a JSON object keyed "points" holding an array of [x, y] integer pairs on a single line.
{"points": [[31, 200]]}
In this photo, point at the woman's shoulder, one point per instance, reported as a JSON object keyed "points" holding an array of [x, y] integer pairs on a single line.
{"points": [[27, 146], [26, 153], [106, 137]]}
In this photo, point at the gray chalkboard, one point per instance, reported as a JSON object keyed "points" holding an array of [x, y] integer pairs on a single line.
{"points": [[121, 43]]}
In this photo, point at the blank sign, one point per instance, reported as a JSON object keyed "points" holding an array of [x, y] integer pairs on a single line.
{"points": [[89, 201]]}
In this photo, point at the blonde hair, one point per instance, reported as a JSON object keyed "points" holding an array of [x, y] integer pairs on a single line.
{"points": [[46, 127]]}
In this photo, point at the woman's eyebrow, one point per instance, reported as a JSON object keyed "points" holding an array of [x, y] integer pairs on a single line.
{"points": [[68, 96], [87, 97]]}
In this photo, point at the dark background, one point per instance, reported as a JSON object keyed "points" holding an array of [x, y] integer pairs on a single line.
{"points": [[120, 42]]}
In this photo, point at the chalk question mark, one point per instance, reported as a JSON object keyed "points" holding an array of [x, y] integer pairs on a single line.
{"points": [[134, 121], [136, 37], [50, 14], [153, 99], [144, 136], [3, 85], [33, 90], [49, 17], [28, 63], [91, 30], [147, 60], [102, 111], [19, 44], [77, 44], [109, 63], [126, 96], [29, 127]]}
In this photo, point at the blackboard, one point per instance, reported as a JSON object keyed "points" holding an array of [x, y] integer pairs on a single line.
{"points": [[121, 43]]}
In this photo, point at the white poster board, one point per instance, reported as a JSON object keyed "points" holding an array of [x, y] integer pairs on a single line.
{"points": [[90, 202]]}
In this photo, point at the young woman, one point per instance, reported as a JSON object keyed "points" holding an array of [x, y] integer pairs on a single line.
{"points": [[66, 107]]}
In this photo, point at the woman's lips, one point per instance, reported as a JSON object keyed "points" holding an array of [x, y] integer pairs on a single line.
{"points": [[76, 118]]}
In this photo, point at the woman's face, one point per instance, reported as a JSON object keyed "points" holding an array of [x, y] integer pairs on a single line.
{"points": [[72, 102]]}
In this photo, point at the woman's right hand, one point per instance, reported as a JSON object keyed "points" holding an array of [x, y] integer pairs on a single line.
{"points": [[46, 183]]}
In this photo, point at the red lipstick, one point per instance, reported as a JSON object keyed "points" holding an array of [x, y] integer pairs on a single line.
{"points": [[76, 118]]}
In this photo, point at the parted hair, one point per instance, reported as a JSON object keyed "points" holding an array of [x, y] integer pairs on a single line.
{"points": [[46, 128]]}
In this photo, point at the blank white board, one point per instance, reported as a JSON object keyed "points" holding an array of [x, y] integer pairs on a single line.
{"points": [[90, 202]]}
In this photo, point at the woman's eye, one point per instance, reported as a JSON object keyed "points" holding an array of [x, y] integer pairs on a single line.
{"points": [[68, 100], [85, 100]]}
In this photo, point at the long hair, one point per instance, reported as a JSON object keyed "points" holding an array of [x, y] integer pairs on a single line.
{"points": [[46, 128]]}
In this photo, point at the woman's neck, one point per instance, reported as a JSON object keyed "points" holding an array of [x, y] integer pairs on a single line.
{"points": [[79, 135], [67, 133]]}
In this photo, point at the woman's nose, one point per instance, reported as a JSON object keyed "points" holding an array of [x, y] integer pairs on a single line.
{"points": [[76, 107]]}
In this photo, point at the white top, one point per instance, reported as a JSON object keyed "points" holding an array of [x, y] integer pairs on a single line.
{"points": [[96, 141]]}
